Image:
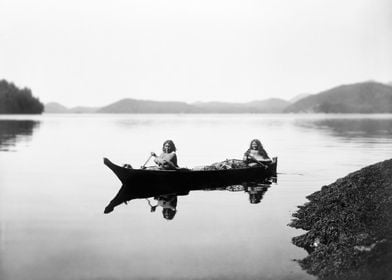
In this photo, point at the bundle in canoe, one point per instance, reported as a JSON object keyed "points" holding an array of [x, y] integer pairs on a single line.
{"points": [[136, 181]]}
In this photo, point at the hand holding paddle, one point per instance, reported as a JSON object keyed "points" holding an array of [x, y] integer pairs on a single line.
{"points": [[152, 208], [151, 155]]}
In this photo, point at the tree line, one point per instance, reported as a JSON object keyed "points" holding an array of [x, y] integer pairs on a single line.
{"points": [[14, 100]]}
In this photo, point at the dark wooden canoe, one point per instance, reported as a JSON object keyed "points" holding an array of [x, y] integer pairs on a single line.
{"points": [[190, 177], [135, 182]]}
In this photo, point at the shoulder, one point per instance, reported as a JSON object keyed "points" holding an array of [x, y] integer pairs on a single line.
{"points": [[173, 155], [169, 155]]}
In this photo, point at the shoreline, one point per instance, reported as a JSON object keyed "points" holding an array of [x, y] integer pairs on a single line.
{"points": [[349, 226]]}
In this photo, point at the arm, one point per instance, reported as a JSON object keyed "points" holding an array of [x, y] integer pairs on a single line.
{"points": [[249, 157], [246, 156], [157, 160], [152, 208], [258, 158], [265, 160], [262, 159], [171, 161], [167, 160]]}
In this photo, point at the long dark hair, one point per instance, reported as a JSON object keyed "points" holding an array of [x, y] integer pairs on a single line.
{"points": [[171, 144], [260, 148], [168, 213]]}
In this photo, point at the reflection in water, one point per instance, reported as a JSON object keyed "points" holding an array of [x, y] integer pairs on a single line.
{"points": [[352, 128], [256, 191], [13, 131], [248, 241], [168, 201], [129, 123]]}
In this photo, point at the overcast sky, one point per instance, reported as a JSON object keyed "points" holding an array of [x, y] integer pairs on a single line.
{"points": [[96, 52]]}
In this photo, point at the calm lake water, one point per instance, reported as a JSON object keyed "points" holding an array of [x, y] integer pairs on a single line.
{"points": [[54, 187]]}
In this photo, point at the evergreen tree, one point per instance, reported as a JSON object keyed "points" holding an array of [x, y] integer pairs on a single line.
{"points": [[14, 100]]}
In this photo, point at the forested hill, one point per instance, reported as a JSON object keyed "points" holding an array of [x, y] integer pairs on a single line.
{"points": [[14, 100], [367, 97]]}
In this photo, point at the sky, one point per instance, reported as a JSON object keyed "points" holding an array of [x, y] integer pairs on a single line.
{"points": [[95, 52]]}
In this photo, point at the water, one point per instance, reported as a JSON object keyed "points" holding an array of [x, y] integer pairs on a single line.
{"points": [[54, 187]]}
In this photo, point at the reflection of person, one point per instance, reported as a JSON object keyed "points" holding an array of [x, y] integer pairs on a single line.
{"points": [[256, 155], [256, 192], [168, 158], [168, 204]]}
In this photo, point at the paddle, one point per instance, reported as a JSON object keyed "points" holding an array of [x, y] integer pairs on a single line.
{"points": [[152, 208], [144, 165]]}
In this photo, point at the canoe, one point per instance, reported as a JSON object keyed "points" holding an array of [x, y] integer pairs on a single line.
{"points": [[139, 183], [190, 177]]}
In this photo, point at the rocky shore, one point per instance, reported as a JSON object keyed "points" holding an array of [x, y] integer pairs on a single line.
{"points": [[349, 226]]}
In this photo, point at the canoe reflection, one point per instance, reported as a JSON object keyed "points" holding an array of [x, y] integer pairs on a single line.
{"points": [[167, 197]]}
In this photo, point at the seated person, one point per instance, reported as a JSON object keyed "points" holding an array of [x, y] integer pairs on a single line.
{"points": [[256, 155], [167, 160]]}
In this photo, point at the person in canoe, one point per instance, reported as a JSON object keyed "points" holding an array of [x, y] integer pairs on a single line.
{"points": [[256, 155], [167, 160]]}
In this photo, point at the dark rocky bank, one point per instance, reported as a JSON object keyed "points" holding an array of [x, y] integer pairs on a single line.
{"points": [[349, 226]]}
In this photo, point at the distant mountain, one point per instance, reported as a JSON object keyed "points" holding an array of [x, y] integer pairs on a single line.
{"points": [[299, 97], [57, 108], [54, 107], [145, 106], [273, 105], [216, 106], [367, 97], [83, 109]]}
